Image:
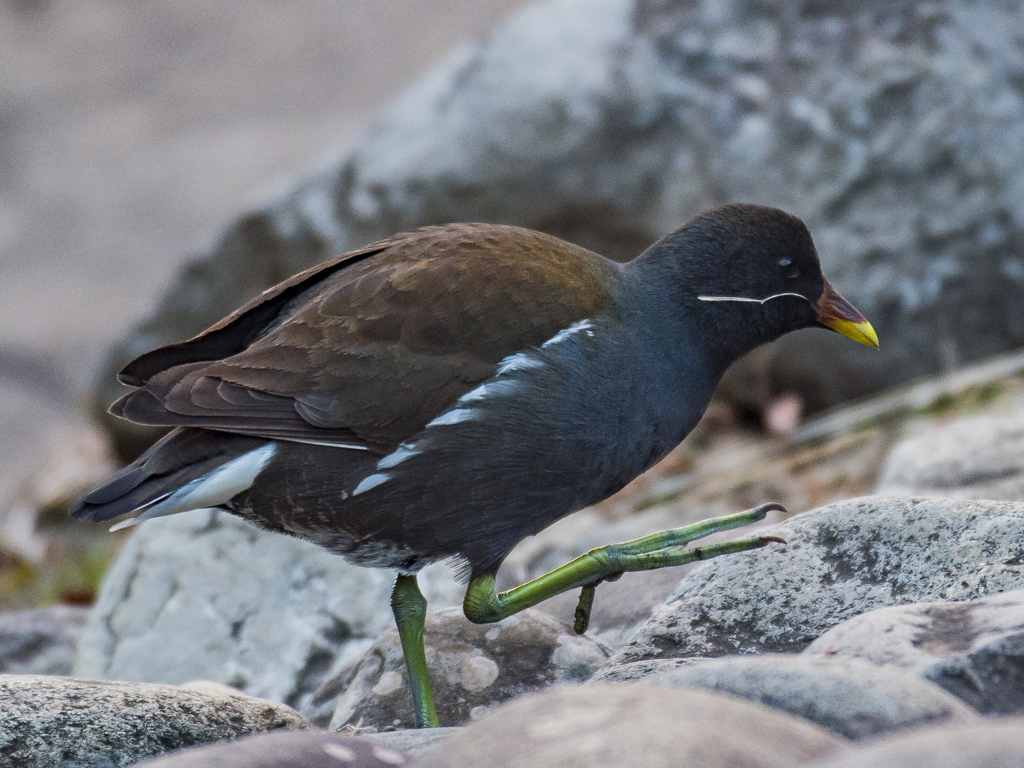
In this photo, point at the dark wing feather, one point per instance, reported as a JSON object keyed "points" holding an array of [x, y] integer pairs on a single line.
{"points": [[371, 349], [237, 330]]}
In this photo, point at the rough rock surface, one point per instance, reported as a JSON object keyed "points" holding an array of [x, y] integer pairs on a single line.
{"points": [[40, 641], [206, 595], [635, 671], [611, 122], [64, 722], [996, 744], [973, 649], [610, 726], [841, 560], [299, 749], [473, 667], [411, 741], [979, 457], [850, 697]]}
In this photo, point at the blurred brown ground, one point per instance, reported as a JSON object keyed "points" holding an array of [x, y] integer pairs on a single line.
{"points": [[130, 131]]}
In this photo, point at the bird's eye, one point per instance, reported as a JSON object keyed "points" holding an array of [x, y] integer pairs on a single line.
{"points": [[788, 269]]}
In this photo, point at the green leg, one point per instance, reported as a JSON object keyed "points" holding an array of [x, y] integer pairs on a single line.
{"points": [[659, 550], [410, 609]]}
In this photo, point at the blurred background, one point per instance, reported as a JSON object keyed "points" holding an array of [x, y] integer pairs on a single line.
{"points": [[161, 163], [129, 134]]}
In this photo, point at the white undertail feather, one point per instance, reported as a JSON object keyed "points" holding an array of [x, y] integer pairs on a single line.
{"points": [[217, 487]]}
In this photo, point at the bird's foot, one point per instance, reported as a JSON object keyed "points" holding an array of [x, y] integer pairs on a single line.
{"points": [[658, 550], [669, 548]]}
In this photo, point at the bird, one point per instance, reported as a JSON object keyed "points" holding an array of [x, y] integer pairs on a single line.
{"points": [[445, 393]]}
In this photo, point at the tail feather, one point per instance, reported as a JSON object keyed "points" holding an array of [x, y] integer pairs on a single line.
{"points": [[169, 477]]}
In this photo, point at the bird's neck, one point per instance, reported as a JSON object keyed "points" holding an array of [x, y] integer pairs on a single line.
{"points": [[713, 334]]}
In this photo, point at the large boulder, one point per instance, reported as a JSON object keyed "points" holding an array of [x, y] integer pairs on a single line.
{"points": [[891, 129], [609, 726], [296, 749], [974, 457], [850, 697], [41, 641], [473, 668], [973, 649], [998, 744], [64, 722], [205, 595], [839, 561]]}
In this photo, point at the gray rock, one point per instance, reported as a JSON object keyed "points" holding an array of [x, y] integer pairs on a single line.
{"points": [[980, 457], [973, 649], [841, 560], [298, 749], [998, 744], [635, 671], [65, 722], [850, 697], [473, 667], [411, 741], [610, 726], [204, 595], [40, 641], [611, 122]]}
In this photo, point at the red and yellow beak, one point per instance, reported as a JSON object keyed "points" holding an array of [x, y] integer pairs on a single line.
{"points": [[837, 313]]}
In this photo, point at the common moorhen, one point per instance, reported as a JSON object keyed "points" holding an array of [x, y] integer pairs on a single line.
{"points": [[447, 392]]}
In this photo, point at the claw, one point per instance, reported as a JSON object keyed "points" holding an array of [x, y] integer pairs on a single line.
{"points": [[774, 540], [582, 618]]}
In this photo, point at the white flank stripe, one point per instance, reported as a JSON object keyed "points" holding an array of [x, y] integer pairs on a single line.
{"points": [[572, 330], [326, 443], [397, 456], [490, 389], [217, 487], [519, 362], [454, 416], [371, 482]]}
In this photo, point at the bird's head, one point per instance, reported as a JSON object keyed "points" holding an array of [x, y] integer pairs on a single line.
{"points": [[752, 273]]}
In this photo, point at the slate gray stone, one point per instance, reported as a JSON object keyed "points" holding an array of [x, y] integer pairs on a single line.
{"points": [[978, 457], [636, 671], [973, 649], [411, 741], [841, 560], [205, 595], [40, 641], [64, 722], [298, 749], [610, 726], [473, 667], [850, 697], [995, 744], [611, 122]]}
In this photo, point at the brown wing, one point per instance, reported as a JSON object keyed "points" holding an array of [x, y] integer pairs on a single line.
{"points": [[369, 347]]}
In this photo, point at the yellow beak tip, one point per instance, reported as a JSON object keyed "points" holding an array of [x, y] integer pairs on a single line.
{"points": [[862, 333]]}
